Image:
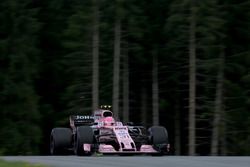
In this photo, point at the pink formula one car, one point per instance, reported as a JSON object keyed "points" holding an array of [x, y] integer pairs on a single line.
{"points": [[102, 134]]}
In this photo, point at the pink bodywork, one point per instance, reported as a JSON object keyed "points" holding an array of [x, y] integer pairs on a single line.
{"points": [[125, 141]]}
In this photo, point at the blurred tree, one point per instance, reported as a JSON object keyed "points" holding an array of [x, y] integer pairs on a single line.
{"points": [[125, 78], [117, 55], [203, 29], [218, 111], [52, 79], [19, 57], [78, 41], [211, 35], [95, 59], [237, 58], [155, 89], [192, 78], [132, 51], [182, 26], [176, 32]]}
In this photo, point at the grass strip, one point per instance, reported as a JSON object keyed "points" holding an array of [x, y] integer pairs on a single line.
{"points": [[18, 164]]}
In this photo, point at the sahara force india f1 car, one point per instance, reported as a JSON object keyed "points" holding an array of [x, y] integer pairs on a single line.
{"points": [[100, 133]]}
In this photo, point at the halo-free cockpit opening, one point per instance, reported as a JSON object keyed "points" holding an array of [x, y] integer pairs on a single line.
{"points": [[107, 114]]}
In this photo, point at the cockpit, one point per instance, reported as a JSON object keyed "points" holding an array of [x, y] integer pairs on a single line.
{"points": [[107, 113]]}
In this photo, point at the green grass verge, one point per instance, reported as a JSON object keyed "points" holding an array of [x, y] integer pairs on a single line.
{"points": [[18, 164]]}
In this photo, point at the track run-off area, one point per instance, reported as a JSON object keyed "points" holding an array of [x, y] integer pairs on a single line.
{"points": [[135, 161]]}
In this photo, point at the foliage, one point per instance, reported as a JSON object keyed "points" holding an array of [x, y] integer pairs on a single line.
{"points": [[20, 131]]}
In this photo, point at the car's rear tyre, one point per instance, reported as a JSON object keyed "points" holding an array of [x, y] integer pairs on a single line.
{"points": [[84, 135], [159, 139], [60, 141]]}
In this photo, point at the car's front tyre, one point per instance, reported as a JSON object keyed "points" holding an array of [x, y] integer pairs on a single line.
{"points": [[60, 141], [159, 139]]}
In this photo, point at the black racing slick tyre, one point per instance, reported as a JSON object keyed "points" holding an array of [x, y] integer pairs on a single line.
{"points": [[159, 140], [158, 135], [60, 141], [84, 135]]}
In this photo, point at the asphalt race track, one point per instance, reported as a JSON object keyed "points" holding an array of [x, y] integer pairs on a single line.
{"points": [[134, 161]]}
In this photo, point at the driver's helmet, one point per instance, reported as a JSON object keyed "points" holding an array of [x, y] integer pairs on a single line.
{"points": [[109, 121]]}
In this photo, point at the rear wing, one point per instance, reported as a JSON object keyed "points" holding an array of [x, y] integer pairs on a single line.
{"points": [[81, 120]]}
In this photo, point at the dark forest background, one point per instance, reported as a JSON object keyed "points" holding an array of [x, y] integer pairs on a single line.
{"points": [[182, 64]]}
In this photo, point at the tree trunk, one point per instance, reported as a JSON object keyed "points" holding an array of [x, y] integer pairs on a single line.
{"points": [[223, 134], [95, 52], [143, 105], [177, 138], [218, 108], [155, 90], [192, 80], [125, 87], [116, 70]]}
